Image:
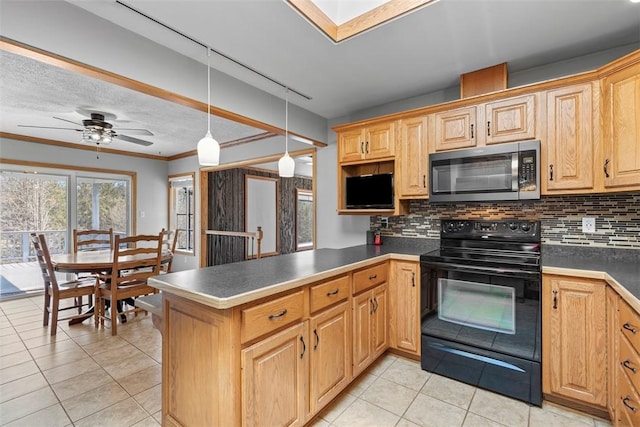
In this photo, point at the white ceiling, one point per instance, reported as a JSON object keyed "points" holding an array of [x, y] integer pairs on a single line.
{"points": [[419, 53]]}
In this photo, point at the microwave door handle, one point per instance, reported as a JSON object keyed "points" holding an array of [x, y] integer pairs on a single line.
{"points": [[514, 172]]}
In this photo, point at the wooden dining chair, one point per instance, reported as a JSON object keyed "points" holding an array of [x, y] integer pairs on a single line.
{"points": [[54, 292], [135, 259], [91, 240], [169, 243]]}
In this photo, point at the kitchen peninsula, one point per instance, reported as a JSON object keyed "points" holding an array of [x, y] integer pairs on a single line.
{"points": [[272, 341]]}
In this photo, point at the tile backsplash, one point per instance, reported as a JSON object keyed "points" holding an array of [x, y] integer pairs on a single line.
{"points": [[617, 218]]}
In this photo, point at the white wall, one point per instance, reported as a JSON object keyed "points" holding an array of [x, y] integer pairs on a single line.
{"points": [[151, 175]]}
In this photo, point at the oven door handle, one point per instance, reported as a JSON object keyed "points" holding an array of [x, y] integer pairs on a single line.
{"points": [[480, 269]]}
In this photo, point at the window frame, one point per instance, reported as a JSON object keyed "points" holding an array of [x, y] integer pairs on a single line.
{"points": [[170, 210], [312, 245]]}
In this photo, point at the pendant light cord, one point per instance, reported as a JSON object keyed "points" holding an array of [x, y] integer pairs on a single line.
{"points": [[286, 122], [208, 90]]}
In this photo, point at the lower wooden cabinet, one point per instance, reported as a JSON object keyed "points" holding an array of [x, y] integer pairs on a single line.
{"points": [[404, 306], [370, 319], [274, 379], [330, 355], [574, 339]]}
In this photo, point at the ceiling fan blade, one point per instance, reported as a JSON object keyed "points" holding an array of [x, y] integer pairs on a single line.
{"points": [[65, 120], [134, 140], [48, 127], [135, 131]]}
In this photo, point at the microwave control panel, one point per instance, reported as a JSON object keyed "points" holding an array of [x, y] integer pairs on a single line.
{"points": [[527, 180]]}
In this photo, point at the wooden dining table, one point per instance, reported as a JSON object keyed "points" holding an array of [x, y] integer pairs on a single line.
{"points": [[92, 262]]}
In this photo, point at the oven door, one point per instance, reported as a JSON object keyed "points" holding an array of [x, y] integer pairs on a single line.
{"points": [[483, 328]]}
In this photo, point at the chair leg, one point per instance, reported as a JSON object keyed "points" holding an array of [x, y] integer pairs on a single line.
{"points": [[47, 301], [114, 317], [54, 316]]}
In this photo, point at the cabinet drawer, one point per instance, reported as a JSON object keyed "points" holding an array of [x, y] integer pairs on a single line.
{"points": [[370, 277], [271, 315], [328, 293], [630, 362], [628, 404], [630, 325]]}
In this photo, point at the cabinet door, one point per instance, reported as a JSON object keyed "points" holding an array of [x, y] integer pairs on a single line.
{"points": [[621, 133], [414, 157], [612, 350], [380, 141], [362, 332], [330, 361], [380, 320], [573, 329], [569, 143], [274, 373], [455, 129], [512, 119], [404, 306], [351, 145]]}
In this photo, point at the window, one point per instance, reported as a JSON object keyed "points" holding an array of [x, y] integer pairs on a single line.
{"points": [[102, 203], [181, 211], [304, 219]]}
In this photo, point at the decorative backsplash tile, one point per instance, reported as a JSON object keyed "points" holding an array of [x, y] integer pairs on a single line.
{"points": [[617, 218]]}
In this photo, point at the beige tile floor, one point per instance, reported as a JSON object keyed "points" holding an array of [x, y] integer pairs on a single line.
{"points": [[86, 377]]}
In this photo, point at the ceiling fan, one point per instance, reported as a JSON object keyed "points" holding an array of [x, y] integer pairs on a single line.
{"points": [[97, 130]]}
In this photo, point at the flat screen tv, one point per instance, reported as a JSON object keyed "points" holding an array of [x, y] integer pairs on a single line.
{"points": [[370, 191]]}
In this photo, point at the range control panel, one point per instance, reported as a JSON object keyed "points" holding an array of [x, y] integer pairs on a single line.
{"points": [[474, 229]]}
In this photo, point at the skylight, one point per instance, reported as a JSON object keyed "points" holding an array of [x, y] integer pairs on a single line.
{"points": [[340, 19]]}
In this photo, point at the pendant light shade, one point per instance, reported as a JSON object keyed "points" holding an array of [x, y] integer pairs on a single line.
{"points": [[286, 165], [208, 147]]}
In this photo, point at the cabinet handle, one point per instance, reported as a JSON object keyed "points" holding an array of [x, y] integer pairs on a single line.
{"points": [[627, 364], [362, 147], [315, 332], [627, 399], [629, 328], [375, 307], [333, 292], [550, 172], [366, 144], [275, 316], [424, 181], [371, 301], [488, 128], [555, 299], [606, 163], [304, 347], [471, 130], [413, 279], [373, 276]]}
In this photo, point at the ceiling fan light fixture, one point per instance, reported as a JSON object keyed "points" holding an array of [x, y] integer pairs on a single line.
{"points": [[208, 148], [286, 165]]}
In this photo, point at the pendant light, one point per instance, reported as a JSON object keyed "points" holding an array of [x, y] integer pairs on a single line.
{"points": [[286, 165], [208, 148]]}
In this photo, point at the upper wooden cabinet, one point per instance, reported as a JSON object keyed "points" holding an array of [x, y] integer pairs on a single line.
{"points": [[511, 119], [621, 129], [455, 129], [574, 339], [568, 149], [367, 143], [413, 163]]}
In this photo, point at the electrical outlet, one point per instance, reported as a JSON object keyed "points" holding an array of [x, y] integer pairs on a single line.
{"points": [[588, 225], [384, 222]]}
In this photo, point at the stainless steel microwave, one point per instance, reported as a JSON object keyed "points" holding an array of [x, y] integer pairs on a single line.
{"points": [[498, 172]]}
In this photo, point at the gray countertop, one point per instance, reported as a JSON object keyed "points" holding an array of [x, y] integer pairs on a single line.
{"points": [[229, 285]]}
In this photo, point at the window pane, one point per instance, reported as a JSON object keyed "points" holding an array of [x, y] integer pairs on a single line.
{"points": [[304, 220], [30, 203], [102, 204]]}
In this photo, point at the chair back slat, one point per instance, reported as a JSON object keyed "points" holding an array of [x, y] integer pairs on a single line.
{"points": [[91, 240], [169, 243], [44, 261]]}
